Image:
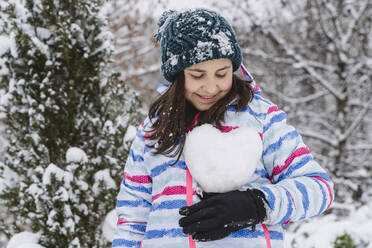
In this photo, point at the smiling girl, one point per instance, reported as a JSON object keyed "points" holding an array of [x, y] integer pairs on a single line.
{"points": [[208, 82], [157, 205]]}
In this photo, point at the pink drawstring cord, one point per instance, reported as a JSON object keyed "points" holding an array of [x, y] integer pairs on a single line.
{"points": [[189, 194]]}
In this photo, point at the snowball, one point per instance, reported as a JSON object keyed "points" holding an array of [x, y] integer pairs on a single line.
{"points": [[76, 155], [109, 225], [221, 162], [25, 239]]}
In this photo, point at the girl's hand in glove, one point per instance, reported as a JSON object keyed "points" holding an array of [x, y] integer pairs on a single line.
{"points": [[216, 216]]}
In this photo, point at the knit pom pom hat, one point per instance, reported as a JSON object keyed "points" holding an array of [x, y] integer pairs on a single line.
{"points": [[193, 36]]}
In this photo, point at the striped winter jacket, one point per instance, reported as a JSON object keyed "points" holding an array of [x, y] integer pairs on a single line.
{"points": [[152, 192]]}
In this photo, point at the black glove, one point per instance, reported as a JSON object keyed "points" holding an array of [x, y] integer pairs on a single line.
{"points": [[217, 215]]}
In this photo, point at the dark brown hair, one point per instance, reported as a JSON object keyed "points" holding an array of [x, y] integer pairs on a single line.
{"points": [[174, 114]]}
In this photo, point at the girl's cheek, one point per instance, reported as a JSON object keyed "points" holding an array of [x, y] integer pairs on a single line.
{"points": [[224, 86], [192, 86]]}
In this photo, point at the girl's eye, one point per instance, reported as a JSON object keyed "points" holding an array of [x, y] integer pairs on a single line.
{"points": [[196, 76], [221, 75]]}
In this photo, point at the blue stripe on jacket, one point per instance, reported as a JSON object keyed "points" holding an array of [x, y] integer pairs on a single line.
{"points": [[125, 242], [248, 233], [135, 157], [134, 203], [165, 166], [249, 110], [260, 98], [262, 173], [162, 233], [275, 146], [139, 135], [323, 175], [141, 228], [137, 188], [270, 198], [173, 204], [289, 208], [295, 167], [274, 119], [324, 199], [305, 197]]}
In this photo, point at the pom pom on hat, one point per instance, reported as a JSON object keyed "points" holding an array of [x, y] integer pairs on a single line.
{"points": [[162, 20], [193, 36]]}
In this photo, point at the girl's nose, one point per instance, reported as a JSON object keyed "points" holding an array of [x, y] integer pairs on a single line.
{"points": [[210, 87]]}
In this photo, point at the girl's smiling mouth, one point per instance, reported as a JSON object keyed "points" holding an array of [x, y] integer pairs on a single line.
{"points": [[207, 98]]}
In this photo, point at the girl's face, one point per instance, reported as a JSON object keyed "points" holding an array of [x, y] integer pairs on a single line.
{"points": [[208, 82]]}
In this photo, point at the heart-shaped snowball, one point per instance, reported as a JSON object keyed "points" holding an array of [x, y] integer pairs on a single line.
{"points": [[222, 162]]}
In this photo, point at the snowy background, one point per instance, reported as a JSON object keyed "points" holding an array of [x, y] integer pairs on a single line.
{"points": [[318, 72]]}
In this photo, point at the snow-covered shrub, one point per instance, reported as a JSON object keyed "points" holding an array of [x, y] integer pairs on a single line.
{"points": [[66, 116], [344, 241]]}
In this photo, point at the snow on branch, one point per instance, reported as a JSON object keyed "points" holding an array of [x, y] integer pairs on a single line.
{"points": [[333, 16], [131, 39], [302, 63], [123, 49], [354, 24], [357, 66], [336, 93], [316, 118], [297, 100], [358, 120], [357, 103], [321, 137], [359, 147], [363, 79], [139, 53], [141, 71], [263, 55], [274, 59]]}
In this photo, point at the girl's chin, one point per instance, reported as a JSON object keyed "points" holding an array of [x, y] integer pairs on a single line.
{"points": [[203, 106]]}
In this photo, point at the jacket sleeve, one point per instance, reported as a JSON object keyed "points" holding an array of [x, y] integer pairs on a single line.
{"points": [[134, 199], [300, 187]]}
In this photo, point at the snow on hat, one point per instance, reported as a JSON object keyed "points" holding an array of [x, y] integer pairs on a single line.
{"points": [[193, 36]]}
